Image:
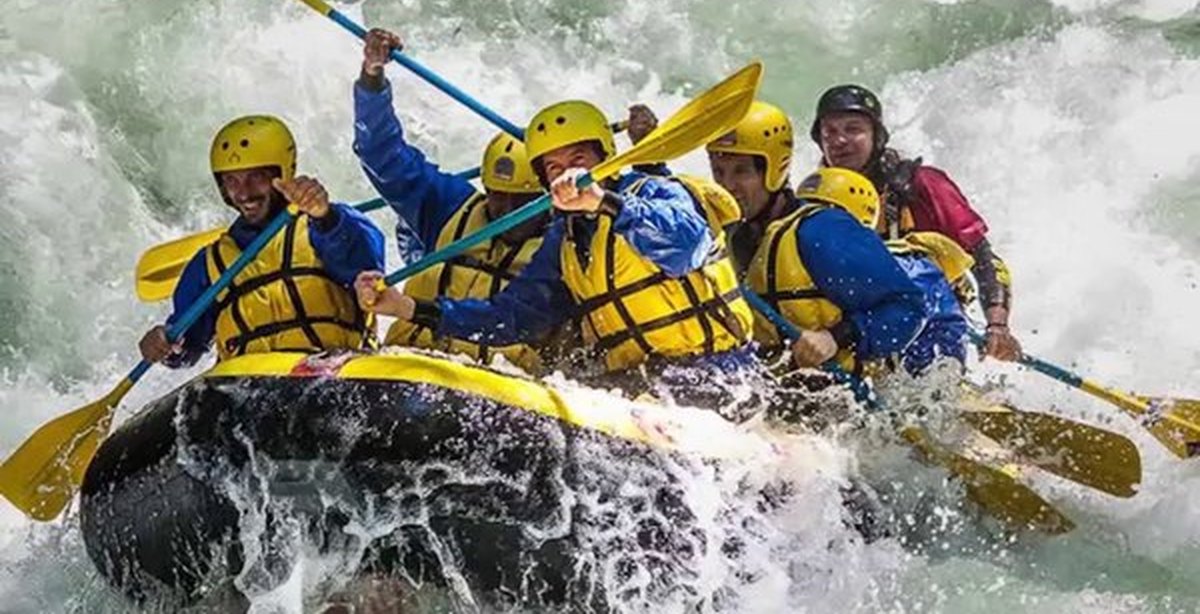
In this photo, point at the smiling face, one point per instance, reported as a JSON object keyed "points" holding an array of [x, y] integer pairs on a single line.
{"points": [[744, 177], [250, 192], [847, 140], [577, 155]]}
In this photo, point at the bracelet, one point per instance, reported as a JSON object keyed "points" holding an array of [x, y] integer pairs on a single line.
{"points": [[992, 325]]}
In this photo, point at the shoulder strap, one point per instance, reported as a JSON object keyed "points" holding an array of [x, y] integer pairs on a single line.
{"points": [[897, 192]]}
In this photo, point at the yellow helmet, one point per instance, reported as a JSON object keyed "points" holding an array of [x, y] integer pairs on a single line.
{"points": [[254, 141], [567, 123], [765, 131], [844, 188], [506, 167]]}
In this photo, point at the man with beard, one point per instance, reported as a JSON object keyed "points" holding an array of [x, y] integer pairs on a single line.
{"points": [[294, 295]]}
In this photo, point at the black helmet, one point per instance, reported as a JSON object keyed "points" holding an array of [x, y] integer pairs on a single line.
{"points": [[854, 98]]}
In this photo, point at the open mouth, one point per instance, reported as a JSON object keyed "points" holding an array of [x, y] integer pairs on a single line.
{"points": [[253, 207]]}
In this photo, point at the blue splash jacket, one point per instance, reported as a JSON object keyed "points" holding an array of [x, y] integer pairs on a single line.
{"points": [[883, 310], [945, 330], [422, 195]]}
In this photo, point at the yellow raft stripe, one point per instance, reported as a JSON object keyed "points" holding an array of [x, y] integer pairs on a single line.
{"points": [[419, 368], [502, 389], [258, 365]]}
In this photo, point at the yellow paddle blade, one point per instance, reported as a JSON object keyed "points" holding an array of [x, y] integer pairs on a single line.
{"points": [[705, 118], [1079, 452], [1175, 423], [41, 477], [159, 268], [996, 490]]}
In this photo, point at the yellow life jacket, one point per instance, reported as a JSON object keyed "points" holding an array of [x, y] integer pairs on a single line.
{"points": [[720, 208], [480, 272], [950, 257], [779, 276], [284, 300], [631, 310]]}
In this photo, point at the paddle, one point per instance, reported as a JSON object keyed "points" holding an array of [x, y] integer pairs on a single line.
{"points": [[432, 78], [159, 268], [1174, 422], [1082, 453], [996, 490], [1085, 454], [707, 116], [41, 477]]}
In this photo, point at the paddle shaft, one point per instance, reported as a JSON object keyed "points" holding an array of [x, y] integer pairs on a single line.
{"points": [[421, 71], [200, 305], [712, 113], [496, 228], [1120, 399], [789, 330]]}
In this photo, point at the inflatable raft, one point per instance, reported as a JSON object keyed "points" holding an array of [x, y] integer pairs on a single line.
{"points": [[417, 465]]}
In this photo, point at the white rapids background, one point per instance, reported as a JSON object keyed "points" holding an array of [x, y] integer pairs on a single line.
{"points": [[1071, 124]]}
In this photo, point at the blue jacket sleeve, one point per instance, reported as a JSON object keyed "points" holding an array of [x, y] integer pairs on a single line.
{"points": [[420, 193], [533, 303], [350, 246], [945, 331], [192, 283], [854, 269], [662, 223]]}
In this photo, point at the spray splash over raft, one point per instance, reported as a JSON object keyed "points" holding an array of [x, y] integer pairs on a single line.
{"points": [[1060, 120]]}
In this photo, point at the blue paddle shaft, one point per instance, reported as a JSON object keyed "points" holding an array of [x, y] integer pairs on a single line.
{"points": [[1036, 364], [789, 330], [506, 222], [433, 79], [200, 305], [760, 304]]}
